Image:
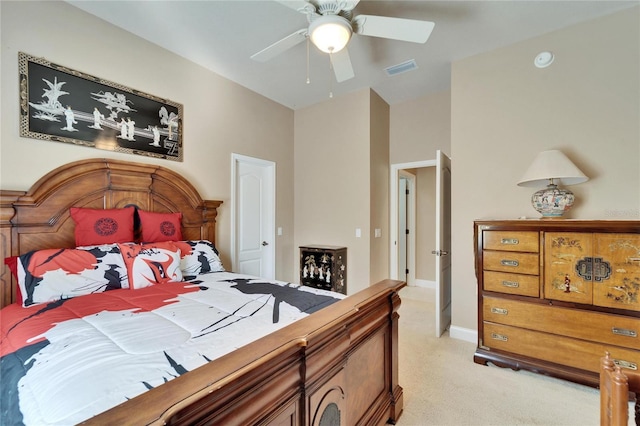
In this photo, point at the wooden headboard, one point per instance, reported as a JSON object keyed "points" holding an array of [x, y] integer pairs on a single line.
{"points": [[39, 218]]}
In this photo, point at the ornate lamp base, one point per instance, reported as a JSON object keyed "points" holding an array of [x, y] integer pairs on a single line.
{"points": [[552, 201]]}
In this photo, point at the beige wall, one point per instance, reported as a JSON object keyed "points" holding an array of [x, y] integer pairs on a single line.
{"points": [[338, 143], [379, 188], [216, 111], [420, 127], [504, 111]]}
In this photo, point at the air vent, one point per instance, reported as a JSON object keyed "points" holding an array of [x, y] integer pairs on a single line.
{"points": [[405, 66]]}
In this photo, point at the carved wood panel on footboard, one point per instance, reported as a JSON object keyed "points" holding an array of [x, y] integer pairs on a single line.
{"points": [[361, 388]]}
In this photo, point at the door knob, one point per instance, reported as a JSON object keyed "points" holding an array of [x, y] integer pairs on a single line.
{"points": [[264, 243], [440, 252]]}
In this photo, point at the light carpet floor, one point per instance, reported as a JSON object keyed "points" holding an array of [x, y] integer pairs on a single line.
{"points": [[443, 386]]}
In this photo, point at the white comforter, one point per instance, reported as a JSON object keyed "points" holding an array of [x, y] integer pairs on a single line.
{"points": [[68, 361]]}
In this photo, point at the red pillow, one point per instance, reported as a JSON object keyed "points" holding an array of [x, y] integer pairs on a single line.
{"points": [[102, 226], [158, 227], [12, 264]]}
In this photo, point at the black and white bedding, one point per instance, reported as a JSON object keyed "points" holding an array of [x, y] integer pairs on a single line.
{"points": [[66, 360]]}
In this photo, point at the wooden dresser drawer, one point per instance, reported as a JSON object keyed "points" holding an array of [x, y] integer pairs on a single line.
{"points": [[523, 241], [557, 349], [519, 263], [502, 282], [586, 325]]}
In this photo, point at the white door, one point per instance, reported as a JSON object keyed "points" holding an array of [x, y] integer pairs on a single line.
{"points": [[254, 216], [402, 229], [443, 243]]}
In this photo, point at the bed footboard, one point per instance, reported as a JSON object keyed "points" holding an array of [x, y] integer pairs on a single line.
{"points": [[617, 385], [337, 366]]}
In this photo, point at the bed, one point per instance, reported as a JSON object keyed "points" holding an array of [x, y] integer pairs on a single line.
{"points": [[615, 387], [330, 361]]}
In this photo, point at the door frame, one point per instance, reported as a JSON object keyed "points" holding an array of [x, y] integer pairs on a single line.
{"points": [[395, 172], [393, 214], [236, 159], [410, 225]]}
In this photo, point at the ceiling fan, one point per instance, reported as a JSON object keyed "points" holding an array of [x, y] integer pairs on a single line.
{"points": [[331, 25]]}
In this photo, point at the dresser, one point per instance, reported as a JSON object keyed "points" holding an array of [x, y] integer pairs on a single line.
{"points": [[554, 295], [324, 267]]}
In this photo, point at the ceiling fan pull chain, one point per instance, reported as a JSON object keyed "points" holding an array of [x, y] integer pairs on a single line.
{"points": [[308, 80], [330, 76]]}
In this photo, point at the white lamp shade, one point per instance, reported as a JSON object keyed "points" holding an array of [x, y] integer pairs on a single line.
{"points": [[330, 33], [552, 164]]}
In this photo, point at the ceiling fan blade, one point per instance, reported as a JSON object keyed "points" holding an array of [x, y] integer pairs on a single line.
{"points": [[393, 28], [349, 4], [280, 46], [341, 63], [301, 6]]}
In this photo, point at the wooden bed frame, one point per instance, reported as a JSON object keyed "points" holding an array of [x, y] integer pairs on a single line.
{"points": [[615, 385], [339, 364]]}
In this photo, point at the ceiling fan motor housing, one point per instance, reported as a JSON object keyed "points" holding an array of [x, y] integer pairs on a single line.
{"points": [[333, 7]]}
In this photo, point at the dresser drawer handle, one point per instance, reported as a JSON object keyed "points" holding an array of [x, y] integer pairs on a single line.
{"points": [[507, 262], [499, 311], [510, 241], [625, 364], [624, 332], [511, 284], [501, 337]]}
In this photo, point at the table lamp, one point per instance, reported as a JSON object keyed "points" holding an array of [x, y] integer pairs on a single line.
{"points": [[553, 168]]}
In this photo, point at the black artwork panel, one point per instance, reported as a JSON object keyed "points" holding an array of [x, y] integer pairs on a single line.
{"points": [[63, 105]]}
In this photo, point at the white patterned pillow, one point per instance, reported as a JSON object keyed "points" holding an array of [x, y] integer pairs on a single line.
{"points": [[150, 264], [53, 274], [199, 257]]}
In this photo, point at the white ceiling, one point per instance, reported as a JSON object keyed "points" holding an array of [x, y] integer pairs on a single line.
{"points": [[222, 35]]}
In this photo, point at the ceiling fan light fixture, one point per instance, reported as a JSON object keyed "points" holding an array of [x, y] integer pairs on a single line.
{"points": [[330, 33]]}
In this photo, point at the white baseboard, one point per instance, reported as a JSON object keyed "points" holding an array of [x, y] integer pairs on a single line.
{"points": [[466, 334], [424, 283]]}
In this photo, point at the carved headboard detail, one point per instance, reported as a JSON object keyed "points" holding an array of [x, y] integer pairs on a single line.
{"points": [[39, 218]]}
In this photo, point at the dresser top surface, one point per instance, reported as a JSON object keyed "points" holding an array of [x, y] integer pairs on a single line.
{"points": [[632, 226]]}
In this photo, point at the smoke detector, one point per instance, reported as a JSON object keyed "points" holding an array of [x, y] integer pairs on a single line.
{"points": [[543, 60]]}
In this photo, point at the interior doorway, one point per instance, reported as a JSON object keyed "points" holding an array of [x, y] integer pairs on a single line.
{"points": [[438, 256], [253, 216], [406, 227]]}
